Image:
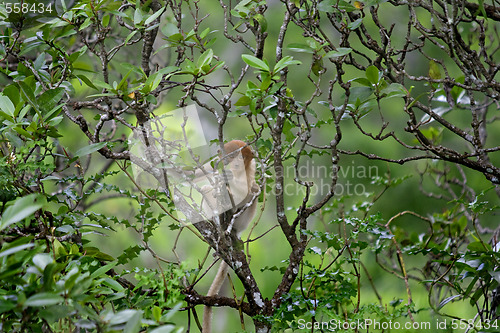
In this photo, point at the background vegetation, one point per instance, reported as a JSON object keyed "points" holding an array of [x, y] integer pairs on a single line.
{"points": [[376, 132]]}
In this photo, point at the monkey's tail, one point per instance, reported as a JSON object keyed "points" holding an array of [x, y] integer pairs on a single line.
{"points": [[214, 290]]}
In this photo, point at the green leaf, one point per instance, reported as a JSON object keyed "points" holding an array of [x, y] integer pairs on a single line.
{"points": [[14, 139], [74, 56], [151, 99], [130, 35], [462, 222], [447, 300], [255, 62], [297, 47], [23, 111], [86, 23], [50, 98], [123, 82], [101, 95], [138, 16], [471, 286], [164, 329], [241, 6], [339, 52], [326, 6], [52, 131], [100, 271], [7, 106], [48, 276], [394, 90], [21, 208], [71, 278], [262, 22], [354, 25], [362, 80], [39, 62], [53, 114], [103, 85], [243, 101], [154, 16], [285, 62], [7, 305], [41, 260], [134, 323], [434, 71], [344, 5], [479, 247], [204, 33], [113, 284], [217, 66], [168, 70], [16, 249], [22, 131], [89, 149], [156, 313], [152, 27], [168, 316], [94, 252], [12, 92], [151, 83], [205, 58], [105, 20], [56, 312], [361, 93], [29, 48], [59, 249], [6, 116], [287, 130], [43, 299], [372, 74], [134, 68], [30, 96], [122, 316], [481, 8], [475, 297], [87, 81], [154, 79]]}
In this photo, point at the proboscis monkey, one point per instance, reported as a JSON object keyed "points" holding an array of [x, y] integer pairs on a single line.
{"points": [[240, 166]]}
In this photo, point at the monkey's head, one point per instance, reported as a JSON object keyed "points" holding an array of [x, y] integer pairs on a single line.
{"points": [[240, 165], [232, 147]]}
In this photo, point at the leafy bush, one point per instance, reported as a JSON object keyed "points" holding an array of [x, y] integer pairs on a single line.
{"points": [[330, 85]]}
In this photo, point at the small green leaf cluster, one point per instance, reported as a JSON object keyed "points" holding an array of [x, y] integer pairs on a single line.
{"points": [[248, 12], [259, 96], [373, 89], [50, 277], [65, 288], [203, 66]]}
